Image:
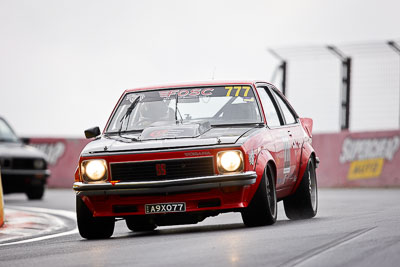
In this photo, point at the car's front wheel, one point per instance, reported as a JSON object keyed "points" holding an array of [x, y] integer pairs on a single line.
{"points": [[92, 227], [262, 209], [303, 204], [35, 192]]}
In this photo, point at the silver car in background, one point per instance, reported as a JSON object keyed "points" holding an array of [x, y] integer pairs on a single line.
{"points": [[23, 167]]}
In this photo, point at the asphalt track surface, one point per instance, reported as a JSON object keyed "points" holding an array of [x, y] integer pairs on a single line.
{"points": [[354, 227]]}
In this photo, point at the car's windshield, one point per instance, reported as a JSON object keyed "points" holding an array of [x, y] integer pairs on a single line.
{"points": [[219, 105], [6, 133]]}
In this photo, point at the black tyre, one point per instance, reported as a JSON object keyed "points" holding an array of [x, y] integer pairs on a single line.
{"points": [[139, 225], [303, 204], [263, 207], [35, 192], [92, 227]]}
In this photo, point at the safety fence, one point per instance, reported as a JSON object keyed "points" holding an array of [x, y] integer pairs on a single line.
{"points": [[348, 159], [353, 87]]}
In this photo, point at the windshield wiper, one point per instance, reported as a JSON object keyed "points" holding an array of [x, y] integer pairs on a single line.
{"points": [[128, 115], [177, 110]]}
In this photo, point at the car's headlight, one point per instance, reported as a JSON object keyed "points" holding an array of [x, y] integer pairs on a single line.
{"points": [[94, 170], [39, 164], [230, 161]]}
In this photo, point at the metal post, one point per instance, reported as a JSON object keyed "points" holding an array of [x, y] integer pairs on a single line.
{"points": [[346, 83], [283, 68], [396, 48]]}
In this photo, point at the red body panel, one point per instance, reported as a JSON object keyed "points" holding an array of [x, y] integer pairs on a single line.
{"points": [[306, 153]]}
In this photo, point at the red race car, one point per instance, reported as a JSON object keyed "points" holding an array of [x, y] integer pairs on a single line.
{"points": [[177, 154]]}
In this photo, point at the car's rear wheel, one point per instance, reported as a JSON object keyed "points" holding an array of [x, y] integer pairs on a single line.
{"points": [[92, 227], [303, 204], [35, 192], [263, 207], [139, 225]]}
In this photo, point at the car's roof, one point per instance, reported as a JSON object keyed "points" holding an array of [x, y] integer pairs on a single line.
{"points": [[193, 84]]}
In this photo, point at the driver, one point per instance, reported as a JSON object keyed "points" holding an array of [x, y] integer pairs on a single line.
{"points": [[153, 111]]}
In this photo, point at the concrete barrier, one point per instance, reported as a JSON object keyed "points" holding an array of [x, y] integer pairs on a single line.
{"points": [[360, 159], [63, 155], [1, 204]]}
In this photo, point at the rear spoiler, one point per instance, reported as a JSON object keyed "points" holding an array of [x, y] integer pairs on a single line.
{"points": [[307, 124]]}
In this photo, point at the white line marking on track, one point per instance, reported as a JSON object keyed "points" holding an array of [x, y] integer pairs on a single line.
{"points": [[63, 213], [312, 254], [71, 232]]}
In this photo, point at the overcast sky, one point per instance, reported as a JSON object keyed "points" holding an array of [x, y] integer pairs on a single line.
{"points": [[64, 64]]}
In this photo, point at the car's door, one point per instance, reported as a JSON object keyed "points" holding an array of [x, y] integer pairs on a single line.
{"points": [[293, 127], [280, 135]]}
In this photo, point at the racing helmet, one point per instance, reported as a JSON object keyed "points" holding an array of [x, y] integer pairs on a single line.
{"points": [[155, 110]]}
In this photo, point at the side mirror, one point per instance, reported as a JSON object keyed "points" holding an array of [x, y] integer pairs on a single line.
{"points": [[25, 140], [307, 125], [92, 132]]}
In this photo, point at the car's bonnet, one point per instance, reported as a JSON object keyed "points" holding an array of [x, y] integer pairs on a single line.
{"points": [[19, 150], [214, 136]]}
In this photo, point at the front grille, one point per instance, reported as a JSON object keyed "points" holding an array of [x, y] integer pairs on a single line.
{"points": [[171, 169], [5, 163], [18, 163], [22, 164]]}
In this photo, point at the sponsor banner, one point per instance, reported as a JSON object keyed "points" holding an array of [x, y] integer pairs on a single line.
{"points": [[63, 156], [368, 159], [364, 169]]}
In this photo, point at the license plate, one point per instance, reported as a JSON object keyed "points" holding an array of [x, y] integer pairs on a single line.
{"points": [[165, 207]]}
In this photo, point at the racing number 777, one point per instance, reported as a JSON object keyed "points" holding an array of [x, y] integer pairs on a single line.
{"points": [[238, 89]]}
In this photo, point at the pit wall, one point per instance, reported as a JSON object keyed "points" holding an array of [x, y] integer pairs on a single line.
{"points": [[362, 159], [63, 155]]}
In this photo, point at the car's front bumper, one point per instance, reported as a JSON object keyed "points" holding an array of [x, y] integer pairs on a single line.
{"points": [[17, 180], [166, 186], [16, 172]]}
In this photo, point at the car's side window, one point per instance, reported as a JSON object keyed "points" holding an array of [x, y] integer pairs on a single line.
{"points": [[289, 117], [270, 111]]}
